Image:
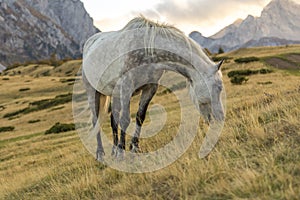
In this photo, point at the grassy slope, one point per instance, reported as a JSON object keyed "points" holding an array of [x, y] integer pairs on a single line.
{"points": [[257, 157]]}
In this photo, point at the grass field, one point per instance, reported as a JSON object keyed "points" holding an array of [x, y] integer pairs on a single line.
{"points": [[257, 156]]}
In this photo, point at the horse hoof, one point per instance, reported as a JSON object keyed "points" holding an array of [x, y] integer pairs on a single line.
{"points": [[114, 151], [100, 156], [120, 154], [134, 149]]}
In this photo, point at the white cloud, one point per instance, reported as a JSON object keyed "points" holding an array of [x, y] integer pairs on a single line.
{"points": [[205, 16]]}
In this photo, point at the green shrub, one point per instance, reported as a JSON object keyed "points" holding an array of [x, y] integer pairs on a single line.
{"points": [[246, 60], [7, 129], [24, 89], [238, 80], [265, 83], [57, 108], [46, 73], [68, 80], [221, 50], [265, 71], [219, 58], [245, 72], [48, 103], [34, 121], [69, 72], [239, 76], [42, 105], [248, 72], [59, 128]]}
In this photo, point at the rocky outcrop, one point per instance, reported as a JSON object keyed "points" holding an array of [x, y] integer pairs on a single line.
{"points": [[36, 29], [68, 14], [279, 24], [2, 67]]}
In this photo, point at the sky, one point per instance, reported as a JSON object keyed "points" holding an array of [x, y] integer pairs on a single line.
{"points": [[206, 16]]}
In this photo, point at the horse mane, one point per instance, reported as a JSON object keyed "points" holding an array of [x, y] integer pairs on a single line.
{"points": [[143, 22], [153, 29]]}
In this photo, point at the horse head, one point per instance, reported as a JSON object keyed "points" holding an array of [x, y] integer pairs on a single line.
{"points": [[206, 94]]}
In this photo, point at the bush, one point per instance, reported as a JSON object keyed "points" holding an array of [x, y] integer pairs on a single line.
{"points": [[238, 80], [70, 80], [265, 83], [265, 71], [219, 58], [220, 51], [42, 104], [7, 129], [46, 73], [34, 121], [239, 76], [245, 72], [248, 72], [59, 128], [246, 60], [24, 89]]}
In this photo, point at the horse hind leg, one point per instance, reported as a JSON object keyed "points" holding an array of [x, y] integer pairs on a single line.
{"points": [[94, 103], [147, 94], [100, 151]]}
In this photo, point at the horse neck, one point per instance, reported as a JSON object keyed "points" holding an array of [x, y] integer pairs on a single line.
{"points": [[184, 68]]}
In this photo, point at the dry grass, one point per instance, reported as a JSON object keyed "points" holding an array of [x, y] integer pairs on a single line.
{"points": [[257, 157]]}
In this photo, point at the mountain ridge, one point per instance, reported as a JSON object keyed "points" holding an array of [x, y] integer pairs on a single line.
{"points": [[279, 24], [36, 30]]}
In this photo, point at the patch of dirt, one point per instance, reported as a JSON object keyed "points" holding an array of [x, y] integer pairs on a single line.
{"points": [[294, 57], [282, 64]]}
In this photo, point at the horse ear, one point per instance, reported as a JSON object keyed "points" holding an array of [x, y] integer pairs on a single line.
{"points": [[219, 65]]}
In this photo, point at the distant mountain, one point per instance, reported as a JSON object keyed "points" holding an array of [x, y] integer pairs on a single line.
{"points": [[2, 67], [279, 24], [37, 29]]}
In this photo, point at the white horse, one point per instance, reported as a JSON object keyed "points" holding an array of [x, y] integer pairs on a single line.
{"points": [[118, 64]]}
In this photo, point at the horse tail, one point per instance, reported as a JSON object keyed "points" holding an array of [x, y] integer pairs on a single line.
{"points": [[105, 106]]}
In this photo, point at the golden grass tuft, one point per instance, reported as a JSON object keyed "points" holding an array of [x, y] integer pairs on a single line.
{"points": [[257, 156]]}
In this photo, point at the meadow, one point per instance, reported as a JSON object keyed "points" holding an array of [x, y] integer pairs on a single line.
{"points": [[257, 156]]}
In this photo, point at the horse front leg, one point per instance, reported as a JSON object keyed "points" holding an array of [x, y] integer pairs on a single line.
{"points": [[125, 93], [124, 123], [147, 94], [114, 120]]}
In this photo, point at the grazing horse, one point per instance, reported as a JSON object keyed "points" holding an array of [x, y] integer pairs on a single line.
{"points": [[119, 64]]}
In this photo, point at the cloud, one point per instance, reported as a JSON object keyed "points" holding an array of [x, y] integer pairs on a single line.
{"points": [[204, 14]]}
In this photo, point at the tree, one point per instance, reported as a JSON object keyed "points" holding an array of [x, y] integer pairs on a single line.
{"points": [[221, 50]]}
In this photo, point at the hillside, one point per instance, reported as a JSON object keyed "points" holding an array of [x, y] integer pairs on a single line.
{"points": [[279, 24], [35, 30], [257, 156]]}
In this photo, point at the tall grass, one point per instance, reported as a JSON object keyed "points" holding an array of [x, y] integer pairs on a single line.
{"points": [[257, 156]]}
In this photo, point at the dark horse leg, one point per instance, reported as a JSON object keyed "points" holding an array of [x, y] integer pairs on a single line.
{"points": [[114, 121], [124, 123], [121, 115], [147, 94]]}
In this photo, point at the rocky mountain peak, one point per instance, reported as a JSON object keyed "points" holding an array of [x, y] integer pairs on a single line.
{"points": [[279, 24], [68, 14], [37, 29]]}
